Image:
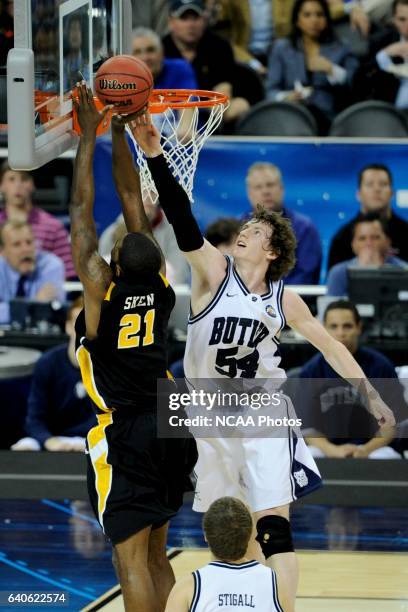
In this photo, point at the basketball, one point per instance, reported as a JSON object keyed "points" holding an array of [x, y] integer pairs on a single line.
{"points": [[125, 82]]}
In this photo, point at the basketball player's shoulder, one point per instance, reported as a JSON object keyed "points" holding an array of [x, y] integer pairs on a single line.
{"points": [[181, 595]]}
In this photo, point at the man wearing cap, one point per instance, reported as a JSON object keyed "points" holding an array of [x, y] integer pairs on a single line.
{"points": [[210, 55]]}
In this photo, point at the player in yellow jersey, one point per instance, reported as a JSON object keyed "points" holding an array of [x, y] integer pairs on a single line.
{"points": [[134, 479]]}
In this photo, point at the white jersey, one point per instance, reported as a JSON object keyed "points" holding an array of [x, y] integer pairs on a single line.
{"points": [[220, 587], [237, 334]]}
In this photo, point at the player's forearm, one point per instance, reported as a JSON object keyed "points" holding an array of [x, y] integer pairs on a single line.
{"points": [[84, 240], [176, 205], [124, 172], [83, 190], [127, 183], [343, 362]]}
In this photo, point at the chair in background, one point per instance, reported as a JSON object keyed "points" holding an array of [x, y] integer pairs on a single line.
{"points": [[370, 119], [277, 119]]}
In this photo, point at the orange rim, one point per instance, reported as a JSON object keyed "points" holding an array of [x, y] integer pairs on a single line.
{"points": [[161, 99]]}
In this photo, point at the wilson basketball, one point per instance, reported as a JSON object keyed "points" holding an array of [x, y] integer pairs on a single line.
{"points": [[125, 82]]}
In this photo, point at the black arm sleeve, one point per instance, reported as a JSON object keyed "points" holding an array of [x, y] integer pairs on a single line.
{"points": [[176, 205]]}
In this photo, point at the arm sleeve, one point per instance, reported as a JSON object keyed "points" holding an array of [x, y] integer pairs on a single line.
{"points": [[176, 205], [37, 404]]}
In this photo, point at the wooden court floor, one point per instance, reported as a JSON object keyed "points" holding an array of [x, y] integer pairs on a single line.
{"points": [[329, 581]]}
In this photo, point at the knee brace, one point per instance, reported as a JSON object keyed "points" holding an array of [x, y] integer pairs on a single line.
{"points": [[274, 535]]}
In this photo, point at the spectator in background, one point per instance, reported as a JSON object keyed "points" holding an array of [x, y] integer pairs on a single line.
{"points": [[311, 66], [223, 233], [388, 70], [335, 420], [59, 412], [168, 73], [173, 73], [210, 55], [375, 193], [265, 187], [76, 50], [252, 25], [24, 271], [371, 245], [17, 187], [178, 271]]}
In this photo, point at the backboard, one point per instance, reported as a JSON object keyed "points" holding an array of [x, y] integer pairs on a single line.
{"points": [[55, 42]]}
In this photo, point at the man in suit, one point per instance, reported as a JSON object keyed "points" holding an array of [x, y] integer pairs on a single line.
{"points": [[374, 194], [210, 55]]}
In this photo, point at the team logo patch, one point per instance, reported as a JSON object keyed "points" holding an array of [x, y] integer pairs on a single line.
{"points": [[270, 311], [301, 478]]}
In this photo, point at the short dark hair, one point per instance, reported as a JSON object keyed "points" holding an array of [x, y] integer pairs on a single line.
{"points": [[282, 242], [396, 3], [382, 167], [224, 229], [5, 167], [227, 526], [326, 36], [370, 217], [139, 256], [342, 305]]}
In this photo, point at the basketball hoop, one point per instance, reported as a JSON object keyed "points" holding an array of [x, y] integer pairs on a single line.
{"points": [[185, 118], [47, 109]]}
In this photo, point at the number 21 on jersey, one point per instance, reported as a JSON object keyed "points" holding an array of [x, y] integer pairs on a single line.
{"points": [[130, 332]]}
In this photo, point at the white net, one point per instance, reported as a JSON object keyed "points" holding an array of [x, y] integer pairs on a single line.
{"points": [[183, 134]]}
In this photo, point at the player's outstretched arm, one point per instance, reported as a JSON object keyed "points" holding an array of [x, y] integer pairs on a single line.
{"points": [[93, 271], [207, 262], [299, 317], [181, 595], [127, 183]]}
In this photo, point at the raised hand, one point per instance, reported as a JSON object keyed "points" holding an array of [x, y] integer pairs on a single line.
{"points": [[380, 411], [398, 49], [88, 115], [318, 63], [146, 135]]}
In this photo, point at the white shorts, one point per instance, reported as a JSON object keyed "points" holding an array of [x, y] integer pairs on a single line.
{"points": [[262, 472]]}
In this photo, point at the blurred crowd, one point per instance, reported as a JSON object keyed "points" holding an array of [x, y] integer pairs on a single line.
{"points": [[323, 54]]}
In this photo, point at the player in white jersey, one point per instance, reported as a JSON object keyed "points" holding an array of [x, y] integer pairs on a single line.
{"points": [[238, 309], [231, 581]]}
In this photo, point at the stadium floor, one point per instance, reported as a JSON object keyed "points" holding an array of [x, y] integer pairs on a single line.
{"points": [[351, 559]]}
